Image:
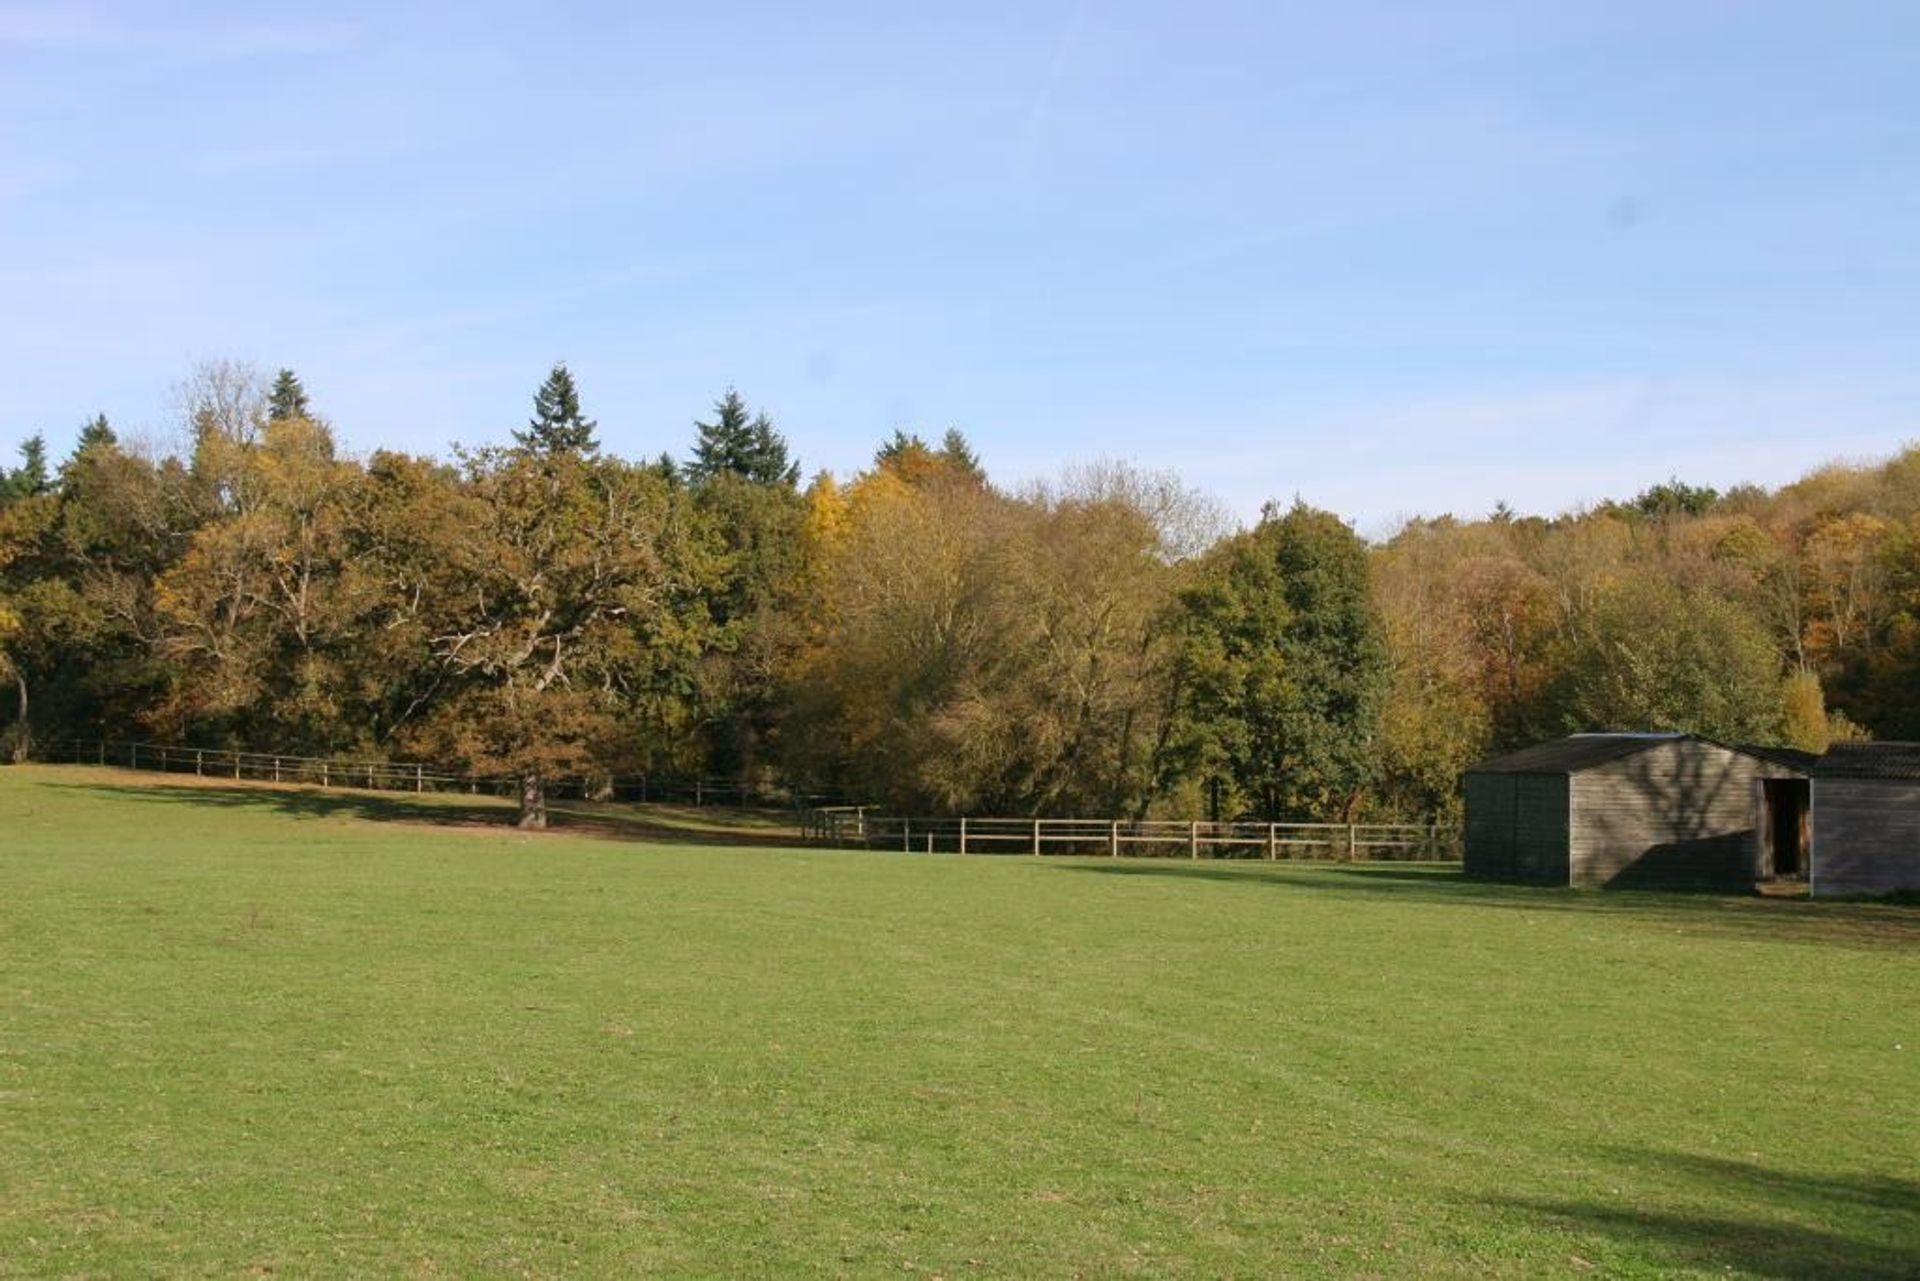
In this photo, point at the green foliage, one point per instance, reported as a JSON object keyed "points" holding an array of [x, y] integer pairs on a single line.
{"points": [[957, 453], [558, 426], [1676, 498], [96, 433], [913, 634], [1652, 657], [287, 399], [740, 444], [31, 478], [757, 528], [1285, 670]]}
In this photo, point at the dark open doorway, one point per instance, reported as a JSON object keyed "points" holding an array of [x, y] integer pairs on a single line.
{"points": [[1787, 801]]}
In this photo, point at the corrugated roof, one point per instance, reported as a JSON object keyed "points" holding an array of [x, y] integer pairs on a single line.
{"points": [[1869, 760], [1572, 754], [1791, 757], [1576, 752]]}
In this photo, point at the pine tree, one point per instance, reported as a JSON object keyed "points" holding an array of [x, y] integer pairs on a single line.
{"points": [[957, 452], [908, 456], [735, 444], [95, 437], [31, 478], [288, 399], [557, 425], [96, 434], [902, 449]]}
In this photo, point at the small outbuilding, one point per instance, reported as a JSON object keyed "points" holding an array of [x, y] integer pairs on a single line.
{"points": [[1636, 809], [1864, 815]]}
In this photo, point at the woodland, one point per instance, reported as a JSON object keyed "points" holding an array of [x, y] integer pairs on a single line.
{"points": [[915, 635]]}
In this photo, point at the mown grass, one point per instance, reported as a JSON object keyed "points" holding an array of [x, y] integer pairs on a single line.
{"points": [[243, 1030]]}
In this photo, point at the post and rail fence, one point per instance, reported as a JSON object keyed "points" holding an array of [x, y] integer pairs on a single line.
{"points": [[864, 827], [856, 826], [402, 776]]}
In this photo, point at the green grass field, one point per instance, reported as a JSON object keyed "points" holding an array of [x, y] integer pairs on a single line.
{"points": [[245, 1030]]}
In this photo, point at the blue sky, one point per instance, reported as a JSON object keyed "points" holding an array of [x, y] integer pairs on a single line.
{"points": [[1390, 258]]}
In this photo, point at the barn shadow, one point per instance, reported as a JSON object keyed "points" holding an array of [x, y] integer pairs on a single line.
{"points": [[663, 825], [1812, 1225], [1701, 801], [1744, 915]]}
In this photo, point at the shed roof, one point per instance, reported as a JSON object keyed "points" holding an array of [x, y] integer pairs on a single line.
{"points": [[1791, 757], [1574, 753], [1869, 760]]}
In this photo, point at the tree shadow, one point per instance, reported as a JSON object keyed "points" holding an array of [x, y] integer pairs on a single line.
{"points": [[577, 818], [1794, 1225], [1747, 915]]}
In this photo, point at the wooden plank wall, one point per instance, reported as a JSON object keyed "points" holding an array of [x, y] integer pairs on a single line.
{"points": [[1516, 827], [1680, 813], [1866, 836]]}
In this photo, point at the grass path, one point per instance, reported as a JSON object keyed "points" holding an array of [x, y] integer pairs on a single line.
{"points": [[239, 1031]]}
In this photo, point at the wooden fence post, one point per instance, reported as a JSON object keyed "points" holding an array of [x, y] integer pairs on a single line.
{"points": [[1036, 838], [199, 761], [963, 834], [1353, 844], [1273, 842], [1113, 840], [1193, 839], [906, 836]]}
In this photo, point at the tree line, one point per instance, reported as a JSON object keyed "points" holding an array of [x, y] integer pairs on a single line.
{"points": [[914, 634]]}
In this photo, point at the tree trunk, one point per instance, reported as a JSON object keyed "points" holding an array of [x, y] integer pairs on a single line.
{"points": [[533, 801], [22, 728]]}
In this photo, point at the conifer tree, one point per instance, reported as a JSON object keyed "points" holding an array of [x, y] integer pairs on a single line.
{"points": [[900, 450], [957, 452], [96, 433], [31, 477], [288, 399], [557, 425], [735, 443]]}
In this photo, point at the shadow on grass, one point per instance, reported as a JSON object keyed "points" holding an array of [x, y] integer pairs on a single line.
{"points": [[1864, 1226], [437, 810], [1867, 925]]}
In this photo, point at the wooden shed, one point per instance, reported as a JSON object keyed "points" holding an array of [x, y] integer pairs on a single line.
{"points": [[1864, 816], [1627, 809]]}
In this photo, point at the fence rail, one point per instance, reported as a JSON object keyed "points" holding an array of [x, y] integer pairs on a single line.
{"points": [[842, 825], [1163, 838], [400, 776]]}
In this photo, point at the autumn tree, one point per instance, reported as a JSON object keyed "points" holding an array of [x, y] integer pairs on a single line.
{"points": [[15, 734], [563, 615], [254, 615]]}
